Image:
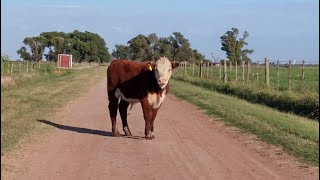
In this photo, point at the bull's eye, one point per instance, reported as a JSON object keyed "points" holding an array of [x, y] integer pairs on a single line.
{"points": [[169, 70]]}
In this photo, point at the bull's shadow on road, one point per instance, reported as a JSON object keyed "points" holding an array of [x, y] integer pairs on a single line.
{"points": [[76, 129], [83, 130]]}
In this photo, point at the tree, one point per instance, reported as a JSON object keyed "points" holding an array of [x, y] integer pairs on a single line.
{"points": [[197, 56], [121, 52], [215, 59], [154, 46], [4, 58], [164, 48], [36, 45], [234, 47], [55, 42], [84, 46], [151, 47], [24, 54], [140, 48], [180, 47], [89, 46]]}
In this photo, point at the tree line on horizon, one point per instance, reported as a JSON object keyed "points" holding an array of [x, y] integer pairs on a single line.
{"points": [[91, 47]]}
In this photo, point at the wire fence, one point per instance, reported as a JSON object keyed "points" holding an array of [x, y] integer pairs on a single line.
{"points": [[16, 67], [288, 75]]}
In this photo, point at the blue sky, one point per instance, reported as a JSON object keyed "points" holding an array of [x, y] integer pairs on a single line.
{"points": [[279, 29]]}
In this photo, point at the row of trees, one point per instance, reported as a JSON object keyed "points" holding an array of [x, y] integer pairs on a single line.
{"points": [[142, 48], [177, 48], [84, 46], [87, 46]]}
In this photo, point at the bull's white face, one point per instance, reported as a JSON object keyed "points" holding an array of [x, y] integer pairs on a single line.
{"points": [[163, 71]]}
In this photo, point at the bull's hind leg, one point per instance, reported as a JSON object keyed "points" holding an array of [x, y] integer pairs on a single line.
{"points": [[113, 108], [123, 108]]}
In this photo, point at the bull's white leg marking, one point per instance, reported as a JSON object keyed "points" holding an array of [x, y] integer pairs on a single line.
{"points": [[155, 100], [119, 95]]}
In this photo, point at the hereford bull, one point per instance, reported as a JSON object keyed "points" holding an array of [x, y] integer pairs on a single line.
{"points": [[132, 82]]}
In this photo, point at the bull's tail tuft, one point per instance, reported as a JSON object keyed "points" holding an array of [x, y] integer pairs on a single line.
{"points": [[131, 105]]}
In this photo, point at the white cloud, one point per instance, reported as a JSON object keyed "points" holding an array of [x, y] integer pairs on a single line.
{"points": [[60, 6], [116, 28], [120, 29]]}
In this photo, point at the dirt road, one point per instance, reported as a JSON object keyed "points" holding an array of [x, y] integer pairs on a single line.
{"points": [[188, 145]]}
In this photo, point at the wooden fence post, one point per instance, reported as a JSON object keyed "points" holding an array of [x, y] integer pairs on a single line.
{"points": [[225, 71], [192, 69], [230, 64], [302, 75], [220, 69], [20, 67], [267, 80], [8, 70], [289, 77], [27, 66], [243, 72], [278, 75], [207, 70], [248, 72], [236, 71], [11, 67], [185, 69], [200, 72], [257, 70]]}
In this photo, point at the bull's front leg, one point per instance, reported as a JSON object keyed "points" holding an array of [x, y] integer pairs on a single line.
{"points": [[147, 114], [154, 114]]}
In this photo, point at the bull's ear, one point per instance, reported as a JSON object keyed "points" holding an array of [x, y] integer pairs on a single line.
{"points": [[174, 65], [151, 65]]}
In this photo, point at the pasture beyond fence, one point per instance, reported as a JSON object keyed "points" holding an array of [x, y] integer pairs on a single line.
{"points": [[298, 76], [16, 67]]}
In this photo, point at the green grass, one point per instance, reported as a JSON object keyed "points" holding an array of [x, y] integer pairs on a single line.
{"points": [[298, 136], [40, 97], [306, 104]]}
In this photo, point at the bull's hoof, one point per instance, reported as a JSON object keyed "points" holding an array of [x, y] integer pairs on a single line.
{"points": [[127, 131], [149, 136], [152, 134], [116, 134], [127, 134]]}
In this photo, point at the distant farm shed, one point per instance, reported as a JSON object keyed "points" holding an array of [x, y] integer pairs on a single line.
{"points": [[64, 61]]}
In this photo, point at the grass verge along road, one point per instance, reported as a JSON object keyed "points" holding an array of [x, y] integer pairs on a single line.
{"points": [[297, 135]]}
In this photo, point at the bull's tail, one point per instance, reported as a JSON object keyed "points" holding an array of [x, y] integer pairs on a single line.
{"points": [[131, 105]]}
